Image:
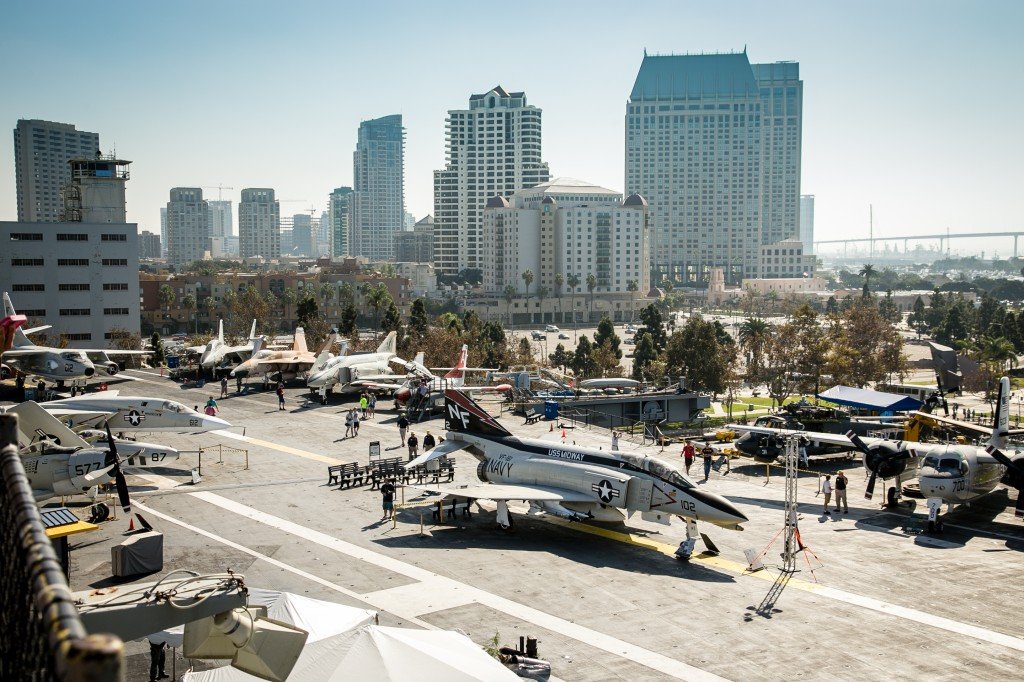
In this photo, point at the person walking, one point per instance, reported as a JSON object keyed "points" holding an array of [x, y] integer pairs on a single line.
{"points": [[280, 396], [363, 403], [688, 454], [387, 491], [840, 486], [348, 424], [826, 490], [371, 404], [224, 386], [805, 459], [40, 391], [708, 453], [615, 440], [428, 442], [355, 422], [157, 661], [211, 407], [414, 445], [238, 384], [403, 426]]}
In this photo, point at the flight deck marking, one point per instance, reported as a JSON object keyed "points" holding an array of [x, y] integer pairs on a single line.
{"points": [[440, 584], [281, 448]]}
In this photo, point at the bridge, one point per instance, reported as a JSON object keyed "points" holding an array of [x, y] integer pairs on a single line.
{"points": [[944, 239]]}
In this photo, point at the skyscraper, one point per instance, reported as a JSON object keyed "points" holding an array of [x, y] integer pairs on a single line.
{"points": [[221, 222], [807, 222], [339, 209], [303, 242], [188, 226], [493, 149], [163, 230], [259, 224], [378, 205], [42, 150], [696, 131]]}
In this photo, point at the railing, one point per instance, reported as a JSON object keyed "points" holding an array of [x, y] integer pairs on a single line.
{"points": [[41, 635], [219, 449]]}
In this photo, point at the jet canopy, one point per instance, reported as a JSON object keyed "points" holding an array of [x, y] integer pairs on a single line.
{"points": [[658, 469], [171, 406], [947, 463]]}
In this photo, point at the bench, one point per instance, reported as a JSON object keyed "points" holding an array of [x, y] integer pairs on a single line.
{"points": [[534, 415], [333, 472], [381, 469], [434, 470], [449, 508], [345, 474]]}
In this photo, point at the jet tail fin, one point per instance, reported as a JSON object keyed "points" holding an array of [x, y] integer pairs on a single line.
{"points": [[220, 331], [464, 415], [1001, 419], [389, 344], [457, 372], [252, 332], [20, 340], [299, 342]]}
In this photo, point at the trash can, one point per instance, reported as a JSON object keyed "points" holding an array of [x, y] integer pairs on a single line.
{"points": [[550, 409], [173, 362]]}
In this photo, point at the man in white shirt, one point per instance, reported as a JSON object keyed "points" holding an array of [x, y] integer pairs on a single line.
{"points": [[826, 490]]}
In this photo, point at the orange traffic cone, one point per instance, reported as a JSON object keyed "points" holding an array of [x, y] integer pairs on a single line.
{"points": [[552, 427], [131, 523], [563, 434]]}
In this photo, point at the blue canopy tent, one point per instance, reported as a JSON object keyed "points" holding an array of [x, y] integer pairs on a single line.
{"points": [[883, 403]]}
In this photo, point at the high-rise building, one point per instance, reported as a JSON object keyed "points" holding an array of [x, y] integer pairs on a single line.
{"points": [[95, 192], [221, 218], [42, 150], [259, 224], [303, 243], [416, 245], [340, 212], [149, 245], [713, 143], [378, 205], [323, 235], [807, 222], [188, 226], [493, 149], [163, 230], [566, 227]]}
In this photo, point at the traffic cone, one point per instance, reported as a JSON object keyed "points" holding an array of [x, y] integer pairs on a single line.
{"points": [[131, 523], [552, 427], [563, 434]]}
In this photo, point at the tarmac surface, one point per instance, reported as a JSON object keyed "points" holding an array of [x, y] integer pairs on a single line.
{"points": [[873, 599]]}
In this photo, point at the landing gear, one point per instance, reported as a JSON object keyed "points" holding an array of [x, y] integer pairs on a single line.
{"points": [[504, 518], [685, 550], [892, 496], [323, 395], [934, 521]]}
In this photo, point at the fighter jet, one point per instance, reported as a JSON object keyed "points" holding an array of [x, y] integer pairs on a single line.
{"points": [[131, 413], [356, 372], [949, 473], [57, 364], [573, 482], [455, 377], [287, 364], [216, 353], [58, 461]]}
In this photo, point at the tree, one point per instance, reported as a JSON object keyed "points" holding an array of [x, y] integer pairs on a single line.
{"points": [[307, 311], [288, 298], [418, 322], [632, 287], [583, 364], [559, 281], [167, 298], [347, 323], [591, 285], [779, 367], [524, 355], [542, 293], [812, 346], [606, 362], [887, 308], [651, 319], [606, 334], [248, 306], [696, 353], [377, 296], [644, 355], [188, 302], [509, 293], [210, 305], [999, 352], [867, 272], [392, 319], [753, 335], [561, 357], [917, 318], [326, 292], [573, 281], [528, 278], [832, 306], [157, 344]]}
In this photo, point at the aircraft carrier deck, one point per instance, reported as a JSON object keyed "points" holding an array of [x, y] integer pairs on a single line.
{"points": [[606, 602]]}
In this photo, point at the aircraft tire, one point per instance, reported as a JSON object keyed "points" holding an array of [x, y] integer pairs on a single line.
{"points": [[891, 497]]}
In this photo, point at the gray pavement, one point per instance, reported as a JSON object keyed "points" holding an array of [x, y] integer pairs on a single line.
{"points": [[606, 602]]}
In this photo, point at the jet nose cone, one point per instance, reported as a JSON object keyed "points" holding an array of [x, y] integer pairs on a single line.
{"points": [[238, 372], [214, 423]]}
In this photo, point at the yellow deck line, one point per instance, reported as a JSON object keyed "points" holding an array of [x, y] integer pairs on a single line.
{"points": [[280, 448]]}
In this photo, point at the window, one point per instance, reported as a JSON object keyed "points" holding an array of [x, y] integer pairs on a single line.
{"points": [[76, 262], [114, 238], [26, 236], [78, 337], [73, 287], [28, 287], [72, 237], [115, 261], [115, 311], [117, 286], [36, 312], [26, 261], [74, 312]]}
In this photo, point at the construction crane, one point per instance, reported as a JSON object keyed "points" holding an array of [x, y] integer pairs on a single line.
{"points": [[220, 190]]}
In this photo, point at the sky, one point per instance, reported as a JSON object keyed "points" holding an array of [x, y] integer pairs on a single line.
{"points": [[912, 107]]}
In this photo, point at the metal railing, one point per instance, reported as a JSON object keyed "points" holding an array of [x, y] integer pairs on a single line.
{"points": [[41, 635], [219, 448]]}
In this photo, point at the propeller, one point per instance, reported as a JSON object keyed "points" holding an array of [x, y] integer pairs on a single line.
{"points": [[880, 458], [1016, 470], [122, 485]]}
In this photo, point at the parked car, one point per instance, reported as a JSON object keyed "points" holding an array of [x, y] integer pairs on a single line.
{"points": [[551, 328], [538, 336], [563, 336]]}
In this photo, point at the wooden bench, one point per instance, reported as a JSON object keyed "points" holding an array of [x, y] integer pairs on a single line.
{"points": [[333, 472], [381, 469], [534, 415], [344, 474]]}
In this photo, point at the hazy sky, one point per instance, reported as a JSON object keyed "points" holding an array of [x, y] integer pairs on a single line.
{"points": [[912, 106]]}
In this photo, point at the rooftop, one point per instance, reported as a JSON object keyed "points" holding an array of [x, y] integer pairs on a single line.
{"points": [[567, 186], [694, 76]]}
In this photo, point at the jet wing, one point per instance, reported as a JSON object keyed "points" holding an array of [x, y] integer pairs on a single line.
{"points": [[73, 417], [91, 352], [443, 448], [375, 385], [35, 423], [813, 436], [26, 352], [504, 491], [966, 426]]}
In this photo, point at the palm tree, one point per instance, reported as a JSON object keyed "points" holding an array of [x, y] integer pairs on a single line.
{"points": [[867, 272], [288, 298], [188, 302], [591, 285], [753, 334], [559, 281], [210, 303], [542, 293], [376, 296], [632, 287], [326, 293], [1000, 352], [510, 294], [528, 278], [573, 281], [167, 298]]}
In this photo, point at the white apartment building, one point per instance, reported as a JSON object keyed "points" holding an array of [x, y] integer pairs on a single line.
{"points": [[259, 224], [786, 259], [188, 226], [713, 143], [493, 149], [42, 150], [163, 230], [80, 278], [378, 203], [221, 218], [566, 227]]}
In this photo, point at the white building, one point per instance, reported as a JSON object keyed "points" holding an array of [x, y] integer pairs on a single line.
{"points": [[785, 259], [188, 226], [80, 278], [378, 204], [96, 191], [422, 278], [807, 222], [566, 227], [493, 149], [42, 150], [221, 218], [163, 230], [259, 224]]}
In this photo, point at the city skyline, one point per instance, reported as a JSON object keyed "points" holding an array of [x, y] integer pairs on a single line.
{"points": [[888, 121]]}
